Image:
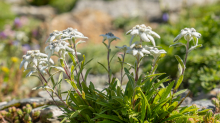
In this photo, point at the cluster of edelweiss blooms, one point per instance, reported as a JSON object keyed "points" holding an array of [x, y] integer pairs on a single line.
{"points": [[39, 62]]}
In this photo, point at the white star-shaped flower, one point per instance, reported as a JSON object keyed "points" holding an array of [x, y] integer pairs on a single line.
{"points": [[188, 34], [59, 46], [70, 33], [32, 56], [156, 53], [124, 47], [136, 49], [145, 33], [54, 35]]}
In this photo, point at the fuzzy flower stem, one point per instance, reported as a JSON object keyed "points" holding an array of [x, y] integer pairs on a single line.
{"points": [[74, 45], [108, 63], [153, 65], [137, 69], [49, 86], [187, 48], [122, 66]]}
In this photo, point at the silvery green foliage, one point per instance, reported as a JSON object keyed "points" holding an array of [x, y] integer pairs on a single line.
{"points": [[34, 58], [145, 33]]}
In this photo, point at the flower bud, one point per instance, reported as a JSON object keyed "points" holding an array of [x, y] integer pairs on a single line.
{"points": [[215, 102], [9, 115], [10, 109], [190, 120], [20, 113], [28, 106], [34, 104], [16, 121], [36, 114], [13, 109], [27, 117], [3, 113]]}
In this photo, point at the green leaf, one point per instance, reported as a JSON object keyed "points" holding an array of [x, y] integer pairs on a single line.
{"points": [[155, 67], [168, 90], [179, 92], [72, 83], [179, 82], [180, 61], [75, 113], [103, 66], [177, 45], [112, 57], [43, 87], [88, 62], [110, 117], [87, 72], [73, 58], [62, 62], [59, 83], [146, 106], [194, 47]]}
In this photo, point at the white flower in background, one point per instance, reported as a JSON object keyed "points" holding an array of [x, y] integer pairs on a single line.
{"points": [[60, 47], [146, 34], [137, 49], [188, 34], [155, 52], [124, 48], [55, 35], [33, 56], [70, 33], [21, 36], [109, 36]]}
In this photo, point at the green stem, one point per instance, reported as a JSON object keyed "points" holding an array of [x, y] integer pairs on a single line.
{"points": [[137, 69], [187, 48], [122, 66], [108, 63]]}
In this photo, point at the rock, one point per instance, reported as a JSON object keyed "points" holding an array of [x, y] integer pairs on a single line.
{"points": [[39, 102], [203, 103], [41, 12], [53, 112], [187, 101], [118, 8]]}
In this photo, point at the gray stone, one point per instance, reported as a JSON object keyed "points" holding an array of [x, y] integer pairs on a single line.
{"points": [[187, 101], [204, 103], [50, 113], [117, 8], [41, 12]]}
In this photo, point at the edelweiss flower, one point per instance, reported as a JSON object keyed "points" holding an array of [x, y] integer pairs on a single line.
{"points": [[33, 69], [155, 52], [33, 56], [55, 35], [188, 34], [137, 49], [109, 36], [70, 33], [124, 47], [144, 32], [59, 46]]}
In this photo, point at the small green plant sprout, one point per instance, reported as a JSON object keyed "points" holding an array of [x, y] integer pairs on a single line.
{"points": [[144, 100]]}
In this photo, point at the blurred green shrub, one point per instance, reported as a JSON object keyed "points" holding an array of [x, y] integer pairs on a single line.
{"points": [[60, 5], [6, 16]]}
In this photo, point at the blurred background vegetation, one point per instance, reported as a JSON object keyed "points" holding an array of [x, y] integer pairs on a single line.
{"points": [[19, 33]]}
